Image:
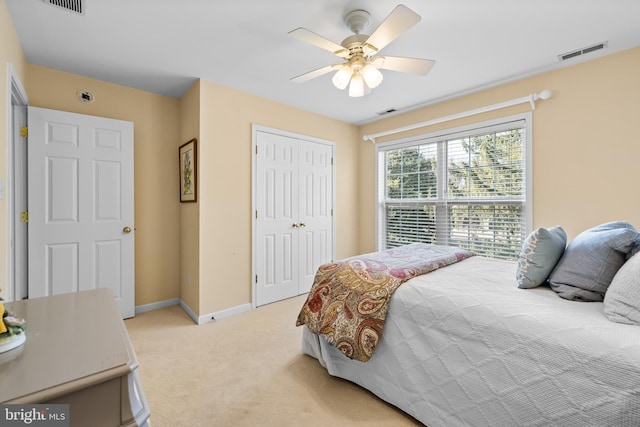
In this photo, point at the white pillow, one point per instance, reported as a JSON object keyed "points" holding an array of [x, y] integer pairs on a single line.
{"points": [[622, 300]]}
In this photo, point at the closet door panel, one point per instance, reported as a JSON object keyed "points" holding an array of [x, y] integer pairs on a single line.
{"points": [[315, 210], [277, 210]]}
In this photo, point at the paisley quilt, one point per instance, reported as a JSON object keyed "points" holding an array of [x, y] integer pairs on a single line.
{"points": [[349, 299]]}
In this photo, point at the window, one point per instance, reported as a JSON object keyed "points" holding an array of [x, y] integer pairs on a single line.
{"points": [[466, 187]]}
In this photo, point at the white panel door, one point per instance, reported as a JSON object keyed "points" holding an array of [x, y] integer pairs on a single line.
{"points": [[277, 206], [294, 207], [315, 217], [80, 195]]}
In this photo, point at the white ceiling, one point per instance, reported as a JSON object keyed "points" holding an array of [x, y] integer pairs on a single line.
{"points": [[163, 46]]}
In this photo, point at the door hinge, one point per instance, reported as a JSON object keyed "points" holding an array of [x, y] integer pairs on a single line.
{"points": [[256, 214], [256, 149], [24, 131], [332, 161], [24, 216], [256, 278]]}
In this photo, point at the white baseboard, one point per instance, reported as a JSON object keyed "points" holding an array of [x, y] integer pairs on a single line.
{"points": [[206, 318], [199, 320], [230, 312], [157, 305], [190, 312]]}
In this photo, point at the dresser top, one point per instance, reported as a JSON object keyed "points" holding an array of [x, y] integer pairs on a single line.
{"points": [[72, 339]]}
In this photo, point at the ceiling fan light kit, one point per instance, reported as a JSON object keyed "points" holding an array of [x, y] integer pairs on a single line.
{"points": [[342, 77], [371, 75], [356, 87], [361, 67]]}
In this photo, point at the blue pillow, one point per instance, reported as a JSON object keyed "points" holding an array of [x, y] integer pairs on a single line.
{"points": [[539, 254], [592, 259]]}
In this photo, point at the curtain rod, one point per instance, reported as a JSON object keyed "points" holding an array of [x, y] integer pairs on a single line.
{"points": [[545, 94]]}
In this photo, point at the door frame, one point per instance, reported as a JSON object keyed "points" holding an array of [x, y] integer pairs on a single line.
{"points": [[255, 128], [16, 96]]}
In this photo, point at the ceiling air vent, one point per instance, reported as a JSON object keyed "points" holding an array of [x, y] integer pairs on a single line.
{"points": [[582, 51], [390, 110], [76, 6]]}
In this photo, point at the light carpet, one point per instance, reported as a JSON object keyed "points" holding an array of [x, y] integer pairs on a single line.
{"points": [[245, 370]]}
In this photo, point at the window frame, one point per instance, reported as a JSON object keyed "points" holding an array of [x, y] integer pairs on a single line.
{"points": [[492, 125]]}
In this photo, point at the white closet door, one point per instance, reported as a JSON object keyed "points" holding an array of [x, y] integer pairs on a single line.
{"points": [[294, 208], [277, 211], [315, 210]]}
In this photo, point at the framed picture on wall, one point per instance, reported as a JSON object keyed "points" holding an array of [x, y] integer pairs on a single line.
{"points": [[188, 173]]}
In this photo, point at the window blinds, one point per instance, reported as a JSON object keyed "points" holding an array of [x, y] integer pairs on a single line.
{"points": [[464, 190]]}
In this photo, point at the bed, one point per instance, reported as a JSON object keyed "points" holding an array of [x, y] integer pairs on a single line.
{"points": [[464, 346]]}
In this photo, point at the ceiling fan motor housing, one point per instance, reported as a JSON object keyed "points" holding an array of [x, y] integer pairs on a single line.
{"points": [[354, 44]]}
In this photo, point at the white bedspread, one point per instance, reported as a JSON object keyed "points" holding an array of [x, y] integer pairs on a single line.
{"points": [[463, 346]]}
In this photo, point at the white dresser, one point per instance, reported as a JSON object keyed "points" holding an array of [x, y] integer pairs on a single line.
{"points": [[77, 352]]}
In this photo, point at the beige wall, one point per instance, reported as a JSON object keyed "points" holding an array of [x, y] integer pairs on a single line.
{"points": [[225, 210], [585, 150], [209, 240], [585, 144], [189, 212], [156, 141], [10, 52]]}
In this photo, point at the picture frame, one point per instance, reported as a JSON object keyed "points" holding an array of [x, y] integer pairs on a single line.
{"points": [[188, 171]]}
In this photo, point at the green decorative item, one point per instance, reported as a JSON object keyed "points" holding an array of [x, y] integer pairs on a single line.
{"points": [[12, 330]]}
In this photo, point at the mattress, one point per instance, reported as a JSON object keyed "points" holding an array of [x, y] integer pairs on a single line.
{"points": [[463, 346]]}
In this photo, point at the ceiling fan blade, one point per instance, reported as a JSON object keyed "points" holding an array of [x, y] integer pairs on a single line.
{"points": [[312, 74], [310, 37], [405, 65], [399, 20]]}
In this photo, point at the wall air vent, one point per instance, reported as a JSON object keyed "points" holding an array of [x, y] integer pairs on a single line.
{"points": [[582, 51], [76, 6]]}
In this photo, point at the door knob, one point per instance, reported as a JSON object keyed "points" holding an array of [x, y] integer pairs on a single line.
{"points": [[126, 230], [302, 224], [295, 225]]}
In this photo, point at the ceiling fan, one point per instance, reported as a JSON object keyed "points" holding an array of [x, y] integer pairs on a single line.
{"points": [[360, 67]]}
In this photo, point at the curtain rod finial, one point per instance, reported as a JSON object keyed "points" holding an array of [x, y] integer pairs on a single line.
{"points": [[369, 138], [545, 94]]}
